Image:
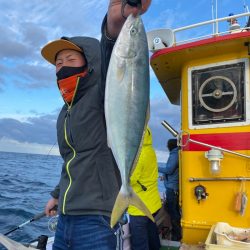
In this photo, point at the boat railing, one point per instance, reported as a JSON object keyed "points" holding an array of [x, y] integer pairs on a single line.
{"points": [[216, 31]]}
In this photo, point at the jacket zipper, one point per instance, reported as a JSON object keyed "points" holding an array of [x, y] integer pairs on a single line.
{"points": [[71, 147]]}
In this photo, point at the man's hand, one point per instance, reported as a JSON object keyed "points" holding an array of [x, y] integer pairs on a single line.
{"points": [[162, 177], [128, 9], [49, 207], [118, 12]]}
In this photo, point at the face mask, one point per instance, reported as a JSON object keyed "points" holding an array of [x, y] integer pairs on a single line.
{"points": [[66, 72], [67, 85]]}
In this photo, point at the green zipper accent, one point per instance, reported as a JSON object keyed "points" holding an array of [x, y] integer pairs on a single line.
{"points": [[67, 166], [74, 152]]}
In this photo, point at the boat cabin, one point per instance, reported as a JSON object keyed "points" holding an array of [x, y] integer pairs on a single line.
{"points": [[209, 78]]}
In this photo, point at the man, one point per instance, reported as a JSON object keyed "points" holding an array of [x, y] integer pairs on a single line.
{"points": [[90, 179], [171, 182], [144, 181]]}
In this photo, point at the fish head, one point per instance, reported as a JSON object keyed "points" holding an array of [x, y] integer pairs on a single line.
{"points": [[131, 37]]}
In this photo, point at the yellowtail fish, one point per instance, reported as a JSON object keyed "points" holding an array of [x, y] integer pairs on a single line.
{"points": [[126, 108]]}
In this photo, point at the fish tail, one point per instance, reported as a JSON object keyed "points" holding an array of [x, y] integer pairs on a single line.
{"points": [[123, 201], [137, 202]]}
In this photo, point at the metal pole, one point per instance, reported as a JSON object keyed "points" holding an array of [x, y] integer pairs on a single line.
{"points": [[179, 135], [222, 149], [216, 15], [169, 128], [211, 21], [246, 8], [213, 13], [220, 179]]}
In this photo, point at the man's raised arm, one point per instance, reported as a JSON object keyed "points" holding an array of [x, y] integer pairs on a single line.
{"points": [[119, 10]]}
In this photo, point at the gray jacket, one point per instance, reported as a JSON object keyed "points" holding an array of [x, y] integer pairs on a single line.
{"points": [[90, 179]]}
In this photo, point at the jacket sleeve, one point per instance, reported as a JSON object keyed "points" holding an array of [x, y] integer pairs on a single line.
{"points": [[107, 45], [172, 163], [55, 192], [162, 170]]}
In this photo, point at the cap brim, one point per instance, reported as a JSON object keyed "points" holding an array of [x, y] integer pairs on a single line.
{"points": [[50, 50]]}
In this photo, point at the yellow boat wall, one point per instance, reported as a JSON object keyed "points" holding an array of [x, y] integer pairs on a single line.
{"points": [[194, 75]]}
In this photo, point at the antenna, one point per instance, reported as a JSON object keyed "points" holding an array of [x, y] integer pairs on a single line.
{"points": [[247, 11], [213, 14], [216, 16], [246, 8]]}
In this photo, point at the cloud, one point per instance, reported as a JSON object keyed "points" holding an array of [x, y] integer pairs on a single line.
{"points": [[162, 109], [2, 70], [41, 130], [10, 145], [12, 50], [27, 26], [162, 156], [33, 34], [32, 76]]}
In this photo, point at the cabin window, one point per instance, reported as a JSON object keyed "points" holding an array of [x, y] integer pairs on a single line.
{"points": [[218, 94]]}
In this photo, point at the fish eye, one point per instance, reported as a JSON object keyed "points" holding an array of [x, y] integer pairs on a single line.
{"points": [[133, 31]]}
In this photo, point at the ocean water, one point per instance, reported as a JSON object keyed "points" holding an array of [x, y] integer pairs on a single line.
{"points": [[25, 183]]}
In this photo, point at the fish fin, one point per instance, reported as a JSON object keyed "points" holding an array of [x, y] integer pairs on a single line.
{"points": [[121, 204], [141, 143], [11, 244], [123, 201], [148, 115], [121, 70], [108, 143], [135, 200]]}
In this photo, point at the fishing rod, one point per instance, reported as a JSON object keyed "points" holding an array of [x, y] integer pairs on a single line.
{"points": [[35, 218]]}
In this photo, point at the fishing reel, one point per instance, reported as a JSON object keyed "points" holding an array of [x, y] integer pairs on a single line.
{"points": [[52, 223]]}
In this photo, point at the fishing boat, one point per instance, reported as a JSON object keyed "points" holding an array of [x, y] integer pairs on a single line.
{"points": [[208, 77]]}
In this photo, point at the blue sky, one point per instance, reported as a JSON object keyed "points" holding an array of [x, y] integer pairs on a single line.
{"points": [[30, 101]]}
